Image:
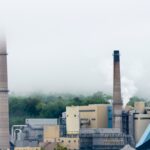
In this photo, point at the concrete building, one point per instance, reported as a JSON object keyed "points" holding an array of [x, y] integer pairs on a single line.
{"points": [[136, 120], [52, 138], [103, 139], [50, 133], [144, 142], [71, 143], [41, 122], [27, 148], [72, 120], [117, 100], [4, 118], [91, 116], [30, 134], [141, 122], [139, 107], [91, 127]]}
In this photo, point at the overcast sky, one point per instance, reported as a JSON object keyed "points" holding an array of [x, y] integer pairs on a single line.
{"points": [[67, 45]]}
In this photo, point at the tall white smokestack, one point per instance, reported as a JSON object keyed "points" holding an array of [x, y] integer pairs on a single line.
{"points": [[4, 117], [117, 100]]}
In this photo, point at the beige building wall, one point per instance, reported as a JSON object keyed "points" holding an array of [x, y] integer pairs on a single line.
{"points": [[88, 116], [139, 107], [96, 114], [70, 143], [27, 148], [51, 132], [102, 116], [72, 120], [141, 121], [91, 116], [48, 145]]}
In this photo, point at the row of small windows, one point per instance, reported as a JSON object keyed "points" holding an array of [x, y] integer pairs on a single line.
{"points": [[69, 141], [142, 118], [76, 116], [86, 110], [26, 149]]}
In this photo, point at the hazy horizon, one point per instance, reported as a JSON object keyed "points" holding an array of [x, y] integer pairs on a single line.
{"points": [[66, 46]]}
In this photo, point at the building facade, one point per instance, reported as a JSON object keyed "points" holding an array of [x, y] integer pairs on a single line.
{"points": [[91, 116]]}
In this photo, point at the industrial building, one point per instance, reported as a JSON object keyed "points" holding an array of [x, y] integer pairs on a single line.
{"points": [[30, 134], [144, 141], [52, 137], [71, 143], [104, 139], [28, 148], [91, 116], [136, 120], [91, 127], [50, 133]]}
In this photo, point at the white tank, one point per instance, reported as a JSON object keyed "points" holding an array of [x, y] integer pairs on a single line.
{"points": [[139, 107]]}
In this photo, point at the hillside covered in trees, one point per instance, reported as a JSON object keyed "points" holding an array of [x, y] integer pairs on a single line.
{"points": [[48, 106], [52, 105]]}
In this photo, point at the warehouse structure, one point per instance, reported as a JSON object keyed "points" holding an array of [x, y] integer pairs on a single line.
{"points": [[104, 139], [30, 134]]}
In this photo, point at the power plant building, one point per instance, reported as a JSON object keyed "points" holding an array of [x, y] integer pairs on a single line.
{"points": [[91, 116], [103, 139], [95, 126]]}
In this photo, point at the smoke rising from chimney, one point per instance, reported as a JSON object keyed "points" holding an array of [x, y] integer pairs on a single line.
{"points": [[128, 89]]}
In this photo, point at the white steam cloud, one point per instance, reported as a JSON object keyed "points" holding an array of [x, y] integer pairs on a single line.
{"points": [[128, 89]]}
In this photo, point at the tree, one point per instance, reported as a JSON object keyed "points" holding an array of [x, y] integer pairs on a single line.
{"points": [[134, 99], [60, 147]]}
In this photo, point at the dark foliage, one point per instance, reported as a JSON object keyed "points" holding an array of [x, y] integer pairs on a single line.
{"points": [[48, 106]]}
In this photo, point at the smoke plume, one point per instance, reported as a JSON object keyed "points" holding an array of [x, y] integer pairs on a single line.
{"points": [[128, 89]]}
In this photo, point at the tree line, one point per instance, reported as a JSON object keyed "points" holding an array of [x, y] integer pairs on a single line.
{"points": [[52, 105], [48, 105]]}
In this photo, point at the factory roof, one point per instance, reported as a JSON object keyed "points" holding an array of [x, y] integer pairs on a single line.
{"points": [[41, 122], [99, 130]]}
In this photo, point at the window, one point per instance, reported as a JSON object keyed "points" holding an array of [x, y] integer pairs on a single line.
{"points": [[86, 110], [144, 118]]}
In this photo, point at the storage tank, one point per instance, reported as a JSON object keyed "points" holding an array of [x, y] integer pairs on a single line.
{"points": [[139, 107]]}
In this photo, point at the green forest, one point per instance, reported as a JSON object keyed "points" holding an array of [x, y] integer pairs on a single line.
{"points": [[51, 105]]}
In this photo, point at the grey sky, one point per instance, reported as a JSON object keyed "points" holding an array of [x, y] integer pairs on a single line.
{"points": [[67, 45]]}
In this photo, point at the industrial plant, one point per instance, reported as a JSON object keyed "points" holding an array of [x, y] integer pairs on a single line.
{"points": [[89, 127]]}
